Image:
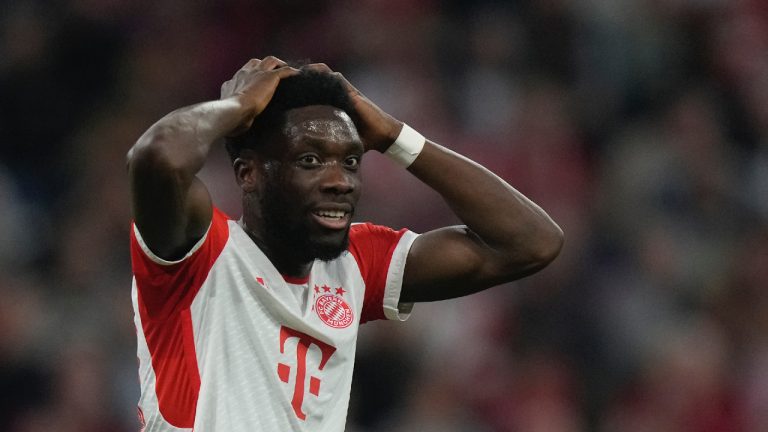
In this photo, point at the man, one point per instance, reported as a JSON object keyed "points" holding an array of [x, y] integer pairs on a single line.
{"points": [[251, 325]]}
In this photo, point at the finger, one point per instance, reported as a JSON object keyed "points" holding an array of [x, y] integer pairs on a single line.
{"points": [[286, 71], [345, 82], [322, 67], [319, 67], [271, 62], [252, 63]]}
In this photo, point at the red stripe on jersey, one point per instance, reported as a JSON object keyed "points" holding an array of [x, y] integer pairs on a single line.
{"points": [[165, 294], [295, 280], [373, 246]]}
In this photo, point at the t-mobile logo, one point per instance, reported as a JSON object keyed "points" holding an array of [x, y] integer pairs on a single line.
{"points": [[284, 370]]}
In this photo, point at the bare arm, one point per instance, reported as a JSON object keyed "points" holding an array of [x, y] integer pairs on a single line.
{"points": [[506, 236], [170, 205]]}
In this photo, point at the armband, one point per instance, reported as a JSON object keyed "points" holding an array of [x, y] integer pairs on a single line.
{"points": [[406, 147]]}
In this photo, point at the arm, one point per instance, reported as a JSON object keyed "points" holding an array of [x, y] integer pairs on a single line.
{"points": [[506, 236], [170, 205]]}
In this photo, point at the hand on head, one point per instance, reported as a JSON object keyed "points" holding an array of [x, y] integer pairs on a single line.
{"points": [[377, 128], [255, 84]]}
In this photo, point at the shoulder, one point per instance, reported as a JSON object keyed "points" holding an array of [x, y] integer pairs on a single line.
{"points": [[205, 249], [373, 244], [364, 232]]}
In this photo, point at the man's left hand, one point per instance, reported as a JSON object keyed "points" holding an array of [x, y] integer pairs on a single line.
{"points": [[377, 128]]}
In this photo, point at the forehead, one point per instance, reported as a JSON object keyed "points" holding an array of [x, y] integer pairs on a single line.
{"points": [[320, 123]]}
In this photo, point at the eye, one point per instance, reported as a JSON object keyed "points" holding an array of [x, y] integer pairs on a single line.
{"points": [[309, 160], [352, 162]]}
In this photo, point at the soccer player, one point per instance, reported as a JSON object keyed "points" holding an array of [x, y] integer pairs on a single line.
{"points": [[250, 325]]}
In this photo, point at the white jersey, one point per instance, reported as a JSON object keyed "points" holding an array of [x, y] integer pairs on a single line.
{"points": [[226, 343]]}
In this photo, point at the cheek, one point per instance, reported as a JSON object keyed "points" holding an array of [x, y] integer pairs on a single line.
{"points": [[301, 181], [299, 187], [295, 196], [358, 182], [357, 179]]}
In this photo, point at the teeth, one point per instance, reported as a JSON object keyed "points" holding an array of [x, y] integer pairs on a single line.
{"points": [[335, 214]]}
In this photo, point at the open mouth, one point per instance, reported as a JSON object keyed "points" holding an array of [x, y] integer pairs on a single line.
{"points": [[332, 219]]}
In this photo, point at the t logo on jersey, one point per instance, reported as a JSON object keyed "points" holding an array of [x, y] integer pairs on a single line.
{"points": [[284, 370]]}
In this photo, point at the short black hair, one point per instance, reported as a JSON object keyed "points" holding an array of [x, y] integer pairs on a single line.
{"points": [[307, 88]]}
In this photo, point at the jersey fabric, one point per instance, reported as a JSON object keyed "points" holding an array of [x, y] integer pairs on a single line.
{"points": [[226, 343]]}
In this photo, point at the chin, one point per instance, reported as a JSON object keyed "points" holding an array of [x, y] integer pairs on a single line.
{"points": [[328, 254], [329, 249]]}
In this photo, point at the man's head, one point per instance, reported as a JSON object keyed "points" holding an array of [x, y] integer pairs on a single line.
{"points": [[298, 167], [307, 88]]}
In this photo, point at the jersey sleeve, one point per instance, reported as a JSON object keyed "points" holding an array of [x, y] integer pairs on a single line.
{"points": [[381, 253], [168, 286]]}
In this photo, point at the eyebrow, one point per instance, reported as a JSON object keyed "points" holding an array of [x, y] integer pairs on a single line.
{"points": [[322, 144]]}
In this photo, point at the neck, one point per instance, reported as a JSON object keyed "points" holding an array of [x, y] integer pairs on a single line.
{"points": [[287, 262]]}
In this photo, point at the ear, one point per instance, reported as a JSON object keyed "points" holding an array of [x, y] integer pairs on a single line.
{"points": [[248, 170]]}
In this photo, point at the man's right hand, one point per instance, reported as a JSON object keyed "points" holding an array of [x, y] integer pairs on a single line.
{"points": [[253, 87]]}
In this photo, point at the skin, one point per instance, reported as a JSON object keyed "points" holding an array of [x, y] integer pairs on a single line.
{"points": [[505, 237], [317, 163]]}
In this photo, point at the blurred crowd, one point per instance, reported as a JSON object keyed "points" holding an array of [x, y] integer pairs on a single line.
{"points": [[641, 126]]}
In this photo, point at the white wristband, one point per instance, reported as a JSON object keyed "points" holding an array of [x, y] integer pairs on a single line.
{"points": [[406, 147]]}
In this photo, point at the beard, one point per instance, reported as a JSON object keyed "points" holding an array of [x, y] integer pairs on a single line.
{"points": [[287, 229]]}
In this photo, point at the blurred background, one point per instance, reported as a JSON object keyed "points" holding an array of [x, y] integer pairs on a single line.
{"points": [[641, 126]]}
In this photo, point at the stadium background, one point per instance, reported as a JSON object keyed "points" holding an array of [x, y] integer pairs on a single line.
{"points": [[640, 125]]}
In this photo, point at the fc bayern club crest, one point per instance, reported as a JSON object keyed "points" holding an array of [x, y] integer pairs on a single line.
{"points": [[334, 311]]}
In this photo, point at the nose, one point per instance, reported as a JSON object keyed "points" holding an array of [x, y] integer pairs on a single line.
{"points": [[337, 180]]}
